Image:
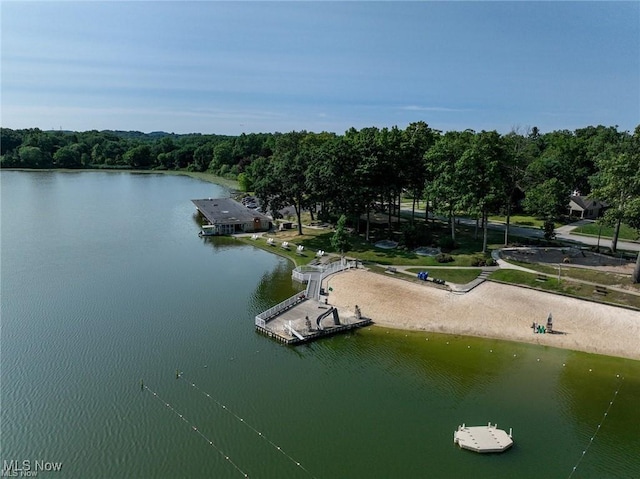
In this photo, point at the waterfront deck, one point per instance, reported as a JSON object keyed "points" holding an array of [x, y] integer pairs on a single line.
{"points": [[309, 320], [308, 316], [483, 439]]}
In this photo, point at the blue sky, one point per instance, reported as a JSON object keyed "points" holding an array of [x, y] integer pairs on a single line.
{"points": [[233, 67]]}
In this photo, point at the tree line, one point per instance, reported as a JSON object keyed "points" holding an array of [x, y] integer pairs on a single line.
{"points": [[367, 170]]}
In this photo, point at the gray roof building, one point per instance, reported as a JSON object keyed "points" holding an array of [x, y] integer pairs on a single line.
{"points": [[585, 207], [227, 216]]}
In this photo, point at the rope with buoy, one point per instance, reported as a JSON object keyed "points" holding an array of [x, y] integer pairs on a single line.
{"points": [[193, 427], [260, 434], [584, 452]]}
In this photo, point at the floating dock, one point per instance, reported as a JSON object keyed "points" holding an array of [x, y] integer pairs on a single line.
{"points": [[483, 439]]}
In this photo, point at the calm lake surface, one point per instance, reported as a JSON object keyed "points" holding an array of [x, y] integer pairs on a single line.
{"points": [[105, 282]]}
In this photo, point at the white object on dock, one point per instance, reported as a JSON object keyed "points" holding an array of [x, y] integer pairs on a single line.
{"points": [[292, 331], [483, 439]]}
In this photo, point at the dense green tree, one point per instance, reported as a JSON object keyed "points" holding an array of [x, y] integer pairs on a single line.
{"points": [[549, 199], [202, 156], [368, 179], [109, 152], [222, 155], [138, 157], [418, 138], [618, 182], [69, 156], [34, 157], [633, 219], [285, 182], [392, 165], [244, 182], [10, 140], [520, 150], [258, 176], [446, 188], [481, 175], [328, 170], [340, 239]]}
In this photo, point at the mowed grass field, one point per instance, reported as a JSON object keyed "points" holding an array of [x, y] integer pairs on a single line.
{"points": [[593, 229]]}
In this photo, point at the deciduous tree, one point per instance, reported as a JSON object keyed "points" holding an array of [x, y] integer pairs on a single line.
{"points": [[340, 239]]}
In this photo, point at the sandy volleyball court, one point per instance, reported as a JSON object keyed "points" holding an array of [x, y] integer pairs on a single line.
{"points": [[491, 310]]}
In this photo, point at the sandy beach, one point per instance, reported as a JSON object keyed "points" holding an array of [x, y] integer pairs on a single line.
{"points": [[490, 310]]}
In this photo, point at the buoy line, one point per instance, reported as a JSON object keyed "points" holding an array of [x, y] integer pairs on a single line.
{"points": [[195, 429], [260, 434], [597, 429]]}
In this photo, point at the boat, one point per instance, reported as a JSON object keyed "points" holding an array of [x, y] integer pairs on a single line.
{"points": [[483, 439], [209, 230]]}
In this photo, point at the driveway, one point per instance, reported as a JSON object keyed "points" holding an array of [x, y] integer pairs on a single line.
{"points": [[562, 233]]}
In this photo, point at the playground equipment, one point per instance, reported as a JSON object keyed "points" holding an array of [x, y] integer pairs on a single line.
{"points": [[336, 318]]}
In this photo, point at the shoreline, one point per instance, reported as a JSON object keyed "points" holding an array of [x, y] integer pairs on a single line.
{"points": [[231, 185], [491, 310]]}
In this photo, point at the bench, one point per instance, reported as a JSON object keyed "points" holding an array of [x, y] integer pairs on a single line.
{"points": [[541, 277], [391, 270], [600, 290]]}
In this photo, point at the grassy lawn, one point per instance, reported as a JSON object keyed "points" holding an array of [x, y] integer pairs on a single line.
{"points": [[595, 276], [292, 237], [565, 286], [467, 246], [592, 229], [519, 220], [320, 239]]}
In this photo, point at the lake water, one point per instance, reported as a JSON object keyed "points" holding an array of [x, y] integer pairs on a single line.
{"points": [[105, 283]]}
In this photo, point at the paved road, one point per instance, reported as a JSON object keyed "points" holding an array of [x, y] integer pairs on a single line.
{"points": [[562, 233]]}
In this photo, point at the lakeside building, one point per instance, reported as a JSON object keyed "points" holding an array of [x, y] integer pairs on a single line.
{"points": [[226, 216]]}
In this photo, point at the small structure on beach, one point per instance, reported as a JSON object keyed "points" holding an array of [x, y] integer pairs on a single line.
{"points": [[483, 439], [541, 328]]}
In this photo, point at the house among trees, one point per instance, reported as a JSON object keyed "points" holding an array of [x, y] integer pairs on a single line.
{"points": [[584, 207], [226, 216]]}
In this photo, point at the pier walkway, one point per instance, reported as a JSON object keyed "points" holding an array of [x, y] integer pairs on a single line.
{"points": [[308, 315]]}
